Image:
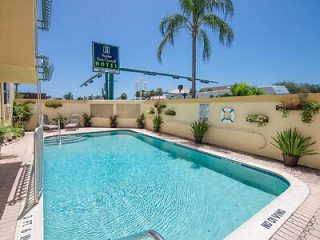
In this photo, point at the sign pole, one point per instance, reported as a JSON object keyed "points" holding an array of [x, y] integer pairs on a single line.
{"points": [[111, 86], [108, 86]]}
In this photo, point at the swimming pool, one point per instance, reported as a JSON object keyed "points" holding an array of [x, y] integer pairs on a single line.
{"points": [[112, 184]]}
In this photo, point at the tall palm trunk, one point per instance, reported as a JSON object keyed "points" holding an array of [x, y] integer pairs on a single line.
{"points": [[194, 56], [194, 65]]}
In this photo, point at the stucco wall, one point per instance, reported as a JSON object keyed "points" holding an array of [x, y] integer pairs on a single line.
{"points": [[239, 135], [80, 107]]}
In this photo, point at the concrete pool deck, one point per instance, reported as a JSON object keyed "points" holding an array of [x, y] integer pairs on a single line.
{"points": [[304, 223]]}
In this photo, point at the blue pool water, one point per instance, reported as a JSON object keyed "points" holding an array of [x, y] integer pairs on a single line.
{"points": [[114, 184]]}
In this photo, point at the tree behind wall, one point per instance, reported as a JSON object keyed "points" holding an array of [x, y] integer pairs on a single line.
{"points": [[244, 89], [294, 87], [68, 96], [123, 96]]}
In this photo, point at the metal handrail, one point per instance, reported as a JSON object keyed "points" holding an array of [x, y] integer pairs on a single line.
{"points": [[143, 235], [59, 132], [38, 163]]}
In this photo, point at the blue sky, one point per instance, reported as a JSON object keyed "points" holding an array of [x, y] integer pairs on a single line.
{"points": [[274, 41]]}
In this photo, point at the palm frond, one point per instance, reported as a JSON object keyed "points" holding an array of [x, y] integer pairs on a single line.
{"points": [[186, 6], [214, 22], [163, 43], [224, 6], [203, 37], [169, 27]]}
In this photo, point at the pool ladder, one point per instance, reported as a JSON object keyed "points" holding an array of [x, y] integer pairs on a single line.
{"points": [[144, 235], [59, 132]]}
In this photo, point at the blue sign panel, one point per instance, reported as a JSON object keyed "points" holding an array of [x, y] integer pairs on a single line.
{"points": [[105, 58]]}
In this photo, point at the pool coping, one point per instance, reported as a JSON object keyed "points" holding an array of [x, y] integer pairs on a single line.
{"points": [[263, 225]]}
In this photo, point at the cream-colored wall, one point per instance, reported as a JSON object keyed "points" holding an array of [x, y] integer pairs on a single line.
{"points": [[239, 135], [80, 107]]}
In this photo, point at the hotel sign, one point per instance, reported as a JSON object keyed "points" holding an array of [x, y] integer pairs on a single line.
{"points": [[105, 58]]}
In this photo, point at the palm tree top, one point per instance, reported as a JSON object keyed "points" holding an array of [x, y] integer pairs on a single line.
{"points": [[196, 16]]}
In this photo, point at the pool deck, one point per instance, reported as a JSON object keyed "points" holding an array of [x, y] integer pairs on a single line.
{"points": [[15, 160]]}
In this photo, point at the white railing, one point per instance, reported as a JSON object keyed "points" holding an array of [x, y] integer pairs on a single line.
{"points": [[38, 163], [35, 185]]}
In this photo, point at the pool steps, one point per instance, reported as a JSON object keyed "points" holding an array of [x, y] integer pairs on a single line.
{"points": [[65, 139]]}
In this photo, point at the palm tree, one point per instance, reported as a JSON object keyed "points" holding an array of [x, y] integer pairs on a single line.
{"points": [[196, 17], [159, 92]]}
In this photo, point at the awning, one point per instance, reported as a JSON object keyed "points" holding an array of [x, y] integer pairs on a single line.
{"points": [[17, 41]]}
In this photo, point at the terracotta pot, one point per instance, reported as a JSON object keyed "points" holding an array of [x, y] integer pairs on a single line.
{"points": [[290, 161]]}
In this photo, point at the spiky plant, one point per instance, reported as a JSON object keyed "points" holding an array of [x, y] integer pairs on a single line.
{"points": [[291, 142], [198, 129], [196, 17]]}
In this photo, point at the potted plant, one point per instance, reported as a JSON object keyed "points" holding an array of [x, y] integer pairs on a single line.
{"points": [[198, 129], [293, 146], [141, 121], [157, 121], [113, 121], [86, 120], [260, 119], [308, 108], [156, 112], [60, 119]]}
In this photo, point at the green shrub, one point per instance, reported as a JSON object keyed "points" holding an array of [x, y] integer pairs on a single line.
{"points": [[141, 121], [21, 114], [29, 102], [293, 143], [244, 89], [86, 119], [170, 112], [7, 132], [198, 129], [260, 119], [309, 109], [157, 119], [53, 103]]}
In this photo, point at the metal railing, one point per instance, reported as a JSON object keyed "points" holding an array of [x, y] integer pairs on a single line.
{"points": [[35, 178], [38, 163], [144, 235], [59, 132]]}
